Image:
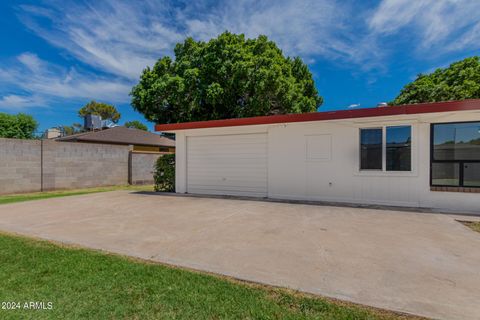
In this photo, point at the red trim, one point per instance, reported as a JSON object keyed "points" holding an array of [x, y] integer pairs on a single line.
{"points": [[447, 106]]}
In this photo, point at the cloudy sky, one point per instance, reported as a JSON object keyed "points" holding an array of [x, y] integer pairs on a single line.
{"points": [[57, 55]]}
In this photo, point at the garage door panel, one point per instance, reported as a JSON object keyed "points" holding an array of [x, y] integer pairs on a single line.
{"points": [[250, 143], [211, 175], [232, 153], [221, 151], [247, 164], [230, 182], [254, 174], [226, 137], [225, 143], [236, 187], [229, 164], [227, 191], [246, 157]]}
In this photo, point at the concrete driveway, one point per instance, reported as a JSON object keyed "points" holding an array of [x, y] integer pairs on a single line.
{"points": [[425, 264]]}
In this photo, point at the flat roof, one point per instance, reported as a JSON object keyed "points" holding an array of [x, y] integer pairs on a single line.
{"points": [[447, 106]]}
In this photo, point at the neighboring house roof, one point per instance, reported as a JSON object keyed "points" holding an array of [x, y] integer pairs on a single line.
{"points": [[448, 106], [121, 135]]}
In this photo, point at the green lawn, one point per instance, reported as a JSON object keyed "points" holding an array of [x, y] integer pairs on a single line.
{"points": [[474, 225], [63, 193], [85, 284]]}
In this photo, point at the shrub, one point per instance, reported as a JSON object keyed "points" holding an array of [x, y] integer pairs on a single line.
{"points": [[20, 126], [164, 175]]}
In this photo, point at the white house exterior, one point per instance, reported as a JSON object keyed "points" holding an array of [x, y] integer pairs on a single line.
{"points": [[365, 156]]}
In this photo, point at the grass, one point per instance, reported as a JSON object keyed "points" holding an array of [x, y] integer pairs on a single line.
{"points": [[87, 284], [474, 225], [4, 199]]}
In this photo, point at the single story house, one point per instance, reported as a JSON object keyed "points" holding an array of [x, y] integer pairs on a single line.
{"points": [[420, 155], [142, 141]]}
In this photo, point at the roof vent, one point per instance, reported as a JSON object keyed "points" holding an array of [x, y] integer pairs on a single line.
{"points": [[382, 104]]}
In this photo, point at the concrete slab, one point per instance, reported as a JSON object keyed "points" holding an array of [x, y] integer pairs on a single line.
{"points": [[420, 263]]}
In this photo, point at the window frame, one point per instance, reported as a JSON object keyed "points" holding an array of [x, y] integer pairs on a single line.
{"points": [[383, 172], [461, 163]]}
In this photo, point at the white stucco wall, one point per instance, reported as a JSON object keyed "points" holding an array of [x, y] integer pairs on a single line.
{"points": [[328, 170]]}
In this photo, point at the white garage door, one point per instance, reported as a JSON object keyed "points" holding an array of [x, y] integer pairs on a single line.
{"points": [[227, 164]]}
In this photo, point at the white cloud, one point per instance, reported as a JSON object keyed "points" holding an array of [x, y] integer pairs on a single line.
{"points": [[307, 27], [44, 81], [123, 37], [31, 61], [117, 37], [445, 25], [17, 103]]}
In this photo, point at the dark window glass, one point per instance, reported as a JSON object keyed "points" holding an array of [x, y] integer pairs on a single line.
{"points": [[399, 148], [456, 141], [471, 174], [456, 154], [445, 174], [371, 149]]}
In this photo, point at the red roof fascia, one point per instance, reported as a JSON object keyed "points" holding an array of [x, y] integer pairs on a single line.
{"points": [[447, 106]]}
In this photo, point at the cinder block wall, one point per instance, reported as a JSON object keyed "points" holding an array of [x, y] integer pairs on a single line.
{"points": [[20, 165], [142, 167], [65, 165], [69, 165]]}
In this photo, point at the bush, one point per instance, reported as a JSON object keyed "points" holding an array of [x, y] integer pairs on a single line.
{"points": [[20, 126], [164, 175]]}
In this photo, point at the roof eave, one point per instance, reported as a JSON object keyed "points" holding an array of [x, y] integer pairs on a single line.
{"points": [[119, 143], [448, 106]]}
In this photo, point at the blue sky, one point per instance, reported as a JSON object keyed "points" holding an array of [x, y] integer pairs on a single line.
{"points": [[57, 55]]}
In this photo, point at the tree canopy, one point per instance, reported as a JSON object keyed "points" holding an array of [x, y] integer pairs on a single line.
{"points": [[136, 124], [73, 129], [461, 80], [226, 77], [106, 111], [20, 126]]}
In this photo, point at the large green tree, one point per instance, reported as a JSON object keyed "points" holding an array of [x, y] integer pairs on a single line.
{"points": [[136, 124], [20, 126], [461, 80], [106, 111], [226, 77]]}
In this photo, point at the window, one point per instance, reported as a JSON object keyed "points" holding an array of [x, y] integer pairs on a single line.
{"points": [[455, 157], [397, 147], [371, 149]]}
